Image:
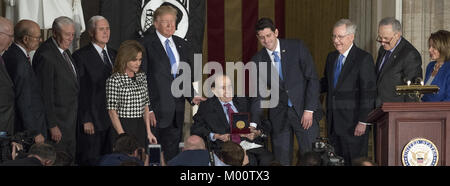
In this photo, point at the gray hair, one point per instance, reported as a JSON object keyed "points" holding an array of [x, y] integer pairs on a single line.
{"points": [[396, 25], [60, 21], [91, 23], [349, 25]]}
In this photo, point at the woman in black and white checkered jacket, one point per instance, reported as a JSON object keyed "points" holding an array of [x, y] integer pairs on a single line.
{"points": [[127, 95]]}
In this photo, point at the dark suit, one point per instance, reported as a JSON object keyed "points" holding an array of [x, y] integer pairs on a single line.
{"points": [[59, 86], [30, 111], [301, 85], [169, 110], [93, 73], [6, 100], [403, 64], [350, 101], [211, 118]]}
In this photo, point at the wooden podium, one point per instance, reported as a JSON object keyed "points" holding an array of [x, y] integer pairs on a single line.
{"points": [[398, 123]]}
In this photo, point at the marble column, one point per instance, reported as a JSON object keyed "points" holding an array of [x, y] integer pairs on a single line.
{"points": [[420, 19], [366, 15]]}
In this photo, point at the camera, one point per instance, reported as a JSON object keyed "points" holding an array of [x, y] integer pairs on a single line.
{"points": [[327, 154], [23, 138]]}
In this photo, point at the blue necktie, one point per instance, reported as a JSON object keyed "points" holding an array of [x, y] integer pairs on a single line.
{"points": [[338, 70], [277, 61], [172, 58]]}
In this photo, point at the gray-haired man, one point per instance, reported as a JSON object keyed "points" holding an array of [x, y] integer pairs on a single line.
{"points": [[58, 78], [350, 83]]}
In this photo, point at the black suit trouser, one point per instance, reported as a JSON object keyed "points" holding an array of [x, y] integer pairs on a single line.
{"points": [[350, 147], [283, 141], [169, 138], [92, 147]]}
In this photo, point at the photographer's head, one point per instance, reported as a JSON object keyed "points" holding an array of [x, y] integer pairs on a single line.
{"points": [[44, 152], [126, 144], [194, 142], [233, 154]]}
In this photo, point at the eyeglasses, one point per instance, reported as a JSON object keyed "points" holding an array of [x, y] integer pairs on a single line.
{"points": [[11, 36], [339, 37], [383, 40]]}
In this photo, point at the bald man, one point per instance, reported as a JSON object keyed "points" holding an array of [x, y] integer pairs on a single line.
{"points": [[194, 143], [194, 153], [30, 112], [6, 85]]}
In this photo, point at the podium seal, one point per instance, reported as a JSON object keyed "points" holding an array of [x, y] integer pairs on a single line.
{"points": [[420, 152]]}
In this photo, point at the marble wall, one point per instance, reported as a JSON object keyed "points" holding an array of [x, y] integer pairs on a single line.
{"points": [[420, 19]]}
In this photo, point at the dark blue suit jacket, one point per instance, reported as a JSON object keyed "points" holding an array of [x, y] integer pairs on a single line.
{"points": [[300, 83], [156, 64], [354, 96], [442, 80], [30, 111]]}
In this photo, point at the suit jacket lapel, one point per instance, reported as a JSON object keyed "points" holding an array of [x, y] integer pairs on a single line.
{"points": [[112, 56], [61, 59], [284, 59], [220, 113], [99, 62], [265, 60], [348, 65], [239, 106], [164, 59], [331, 69], [3, 70], [180, 52], [392, 59], [73, 66]]}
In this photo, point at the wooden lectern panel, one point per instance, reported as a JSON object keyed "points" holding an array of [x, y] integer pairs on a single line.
{"points": [[399, 123], [429, 129]]}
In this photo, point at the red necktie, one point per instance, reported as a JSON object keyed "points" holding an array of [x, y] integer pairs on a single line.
{"points": [[236, 138]]}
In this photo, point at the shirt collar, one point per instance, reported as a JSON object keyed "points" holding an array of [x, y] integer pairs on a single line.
{"points": [[345, 54], [163, 38], [398, 42], [57, 46], [223, 103], [23, 49], [99, 49]]}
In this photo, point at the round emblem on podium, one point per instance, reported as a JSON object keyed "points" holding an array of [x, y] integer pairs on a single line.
{"points": [[240, 124], [420, 152]]}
